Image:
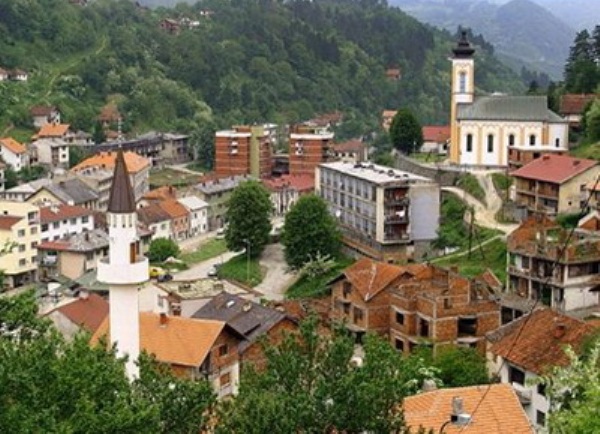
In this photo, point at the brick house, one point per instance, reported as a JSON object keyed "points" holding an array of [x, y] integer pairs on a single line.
{"points": [[414, 304], [180, 218]]}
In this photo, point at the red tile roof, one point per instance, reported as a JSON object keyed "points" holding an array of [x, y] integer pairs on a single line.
{"points": [[575, 103], [173, 208], [300, 183], [42, 110], [498, 411], [540, 345], [7, 221], [554, 168], [106, 160], [354, 145], [87, 312], [152, 213], [55, 213], [13, 146], [438, 134], [161, 193], [53, 130]]}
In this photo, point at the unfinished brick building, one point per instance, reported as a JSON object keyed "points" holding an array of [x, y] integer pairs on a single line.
{"points": [[416, 304], [309, 147]]}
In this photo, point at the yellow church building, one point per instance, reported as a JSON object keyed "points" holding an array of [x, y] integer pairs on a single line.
{"points": [[498, 130]]}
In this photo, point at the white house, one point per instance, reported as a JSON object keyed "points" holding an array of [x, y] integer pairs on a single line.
{"points": [[13, 153], [52, 152], [157, 220], [522, 350], [198, 214], [43, 114], [58, 221]]}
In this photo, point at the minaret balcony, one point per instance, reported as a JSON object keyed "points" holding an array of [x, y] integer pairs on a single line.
{"points": [[123, 274]]}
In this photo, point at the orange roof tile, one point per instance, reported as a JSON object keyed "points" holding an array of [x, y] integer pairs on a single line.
{"points": [[181, 341], [301, 183], [8, 221], [500, 412], [554, 168], [13, 146], [59, 212], [436, 133], [541, 343], [106, 160], [42, 110], [53, 130], [173, 208], [88, 312], [575, 103]]}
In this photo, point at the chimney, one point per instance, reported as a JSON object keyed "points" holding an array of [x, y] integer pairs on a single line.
{"points": [[559, 330], [545, 157], [84, 294], [457, 408], [429, 385], [163, 319]]}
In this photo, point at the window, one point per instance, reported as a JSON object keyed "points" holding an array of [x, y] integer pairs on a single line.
{"points": [[34, 245], [22, 262], [358, 314], [515, 375], [73, 221], [532, 140], [347, 308], [21, 233], [423, 328], [225, 380], [399, 318], [399, 344], [34, 259], [511, 140], [45, 227], [467, 326], [85, 219], [33, 231], [56, 225], [541, 389], [540, 418], [447, 303], [21, 247], [223, 350], [490, 143], [469, 142], [462, 82], [557, 143], [347, 289]]}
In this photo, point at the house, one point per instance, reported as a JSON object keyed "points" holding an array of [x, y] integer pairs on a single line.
{"points": [[84, 312], [19, 237], [165, 192], [44, 114], [387, 116], [415, 304], [309, 147], [217, 192], [572, 106], [287, 189], [73, 255], [435, 139], [170, 26], [492, 408], [251, 320], [393, 74], [18, 75], [138, 168], [198, 214], [192, 348], [109, 115], [243, 150], [156, 220], [484, 129], [60, 220], [522, 351], [70, 191], [20, 193], [13, 153], [52, 152], [541, 268], [53, 131], [3, 74], [383, 213], [352, 151], [325, 121], [180, 218], [554, 184]]}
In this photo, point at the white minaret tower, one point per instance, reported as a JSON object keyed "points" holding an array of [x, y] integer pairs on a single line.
{"points": [[125, 269]]}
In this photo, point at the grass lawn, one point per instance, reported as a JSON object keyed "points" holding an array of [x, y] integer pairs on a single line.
{"points": [[237, 269], [305, 287], [494, 258], [586, 150], [426, 157], [469, 183], [502, 182], [196, 167], [205, 251], [176, 178]]}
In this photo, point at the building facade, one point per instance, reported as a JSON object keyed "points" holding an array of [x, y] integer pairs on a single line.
{"points": [[198, 214], [309, 147], [217, 192], [243, 150], [58, 221]]}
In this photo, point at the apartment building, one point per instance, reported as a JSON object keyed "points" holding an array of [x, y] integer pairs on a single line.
{"points": [[539, 269], [309, 147], [19, 237], [415, 304], [217, 192], [58, 221], [554, 184], [243, 150], [52, 152], [383, 213], [287, 189], [198, 212]]}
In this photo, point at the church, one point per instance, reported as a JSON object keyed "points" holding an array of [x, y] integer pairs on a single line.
{"points": [[498, 130]]}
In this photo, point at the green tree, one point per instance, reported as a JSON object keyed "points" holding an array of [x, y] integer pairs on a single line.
{"points": [[461, 367], [76, 155], [405, 132], [161, 249], [309, 230], [249, 218], [310, 384], [11, 178], [592, 122]]}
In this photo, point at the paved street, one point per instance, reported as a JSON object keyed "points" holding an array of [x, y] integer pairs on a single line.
{"points": [[277, 278]]}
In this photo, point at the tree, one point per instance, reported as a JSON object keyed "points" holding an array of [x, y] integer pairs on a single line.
{"points": [[249, 218], [405, 132], [11, 178], [574, 393], [591, 122], [48, 384], [460, 367], [161, 249], [309, 230], [310, 384]]}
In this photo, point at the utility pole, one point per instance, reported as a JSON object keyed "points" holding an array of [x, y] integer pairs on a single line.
{"points": [[472, 210]]}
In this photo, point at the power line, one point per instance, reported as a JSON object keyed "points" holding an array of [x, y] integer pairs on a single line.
{"points": [[555, 264]]}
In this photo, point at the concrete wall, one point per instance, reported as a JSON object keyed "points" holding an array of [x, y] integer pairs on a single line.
{"points": [[441, 176]]}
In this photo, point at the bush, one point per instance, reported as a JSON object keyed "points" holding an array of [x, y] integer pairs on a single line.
{"points": [[161, 249], [470, 184]]}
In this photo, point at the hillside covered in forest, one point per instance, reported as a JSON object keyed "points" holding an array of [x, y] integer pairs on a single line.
{"points": [[226, 62]]}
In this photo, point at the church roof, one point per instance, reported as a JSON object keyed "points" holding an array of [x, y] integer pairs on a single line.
{"points": [[463, 48], [121, 198], [509, 108]]}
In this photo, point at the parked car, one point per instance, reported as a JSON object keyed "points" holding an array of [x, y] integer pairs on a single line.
{"points": [[156, 271], [164, 277], [220, 233], [212, 272]]}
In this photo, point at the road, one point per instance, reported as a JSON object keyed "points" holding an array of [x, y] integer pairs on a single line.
{"points": [[277, 279]]}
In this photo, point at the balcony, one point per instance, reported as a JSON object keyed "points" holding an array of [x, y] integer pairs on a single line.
{"points": [[49, 260], [391, 201], [394, 219], [136, 272], [523, 393]]}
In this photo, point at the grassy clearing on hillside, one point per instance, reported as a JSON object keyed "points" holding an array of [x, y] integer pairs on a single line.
{"points": [[172, 177], [307, 287], [469, 183], [239, 269], [586, 150], [502, 183], [205, 251]]}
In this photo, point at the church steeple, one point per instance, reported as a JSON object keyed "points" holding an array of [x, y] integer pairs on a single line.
{"points": [[463, 48], [121, 199]]}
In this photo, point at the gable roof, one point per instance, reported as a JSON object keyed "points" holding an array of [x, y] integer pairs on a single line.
{"points": [[121, 199], [574, 104], [12, 145], [554, 168], [541, 343], [53, 130], [8, 221], [87, 311], [71, 190], [106, 160], [152, 213], [192, 202], [180, 341], [161, 193], [249, 319], [42, 110], [509, 108], [500, 411], [88, 241], [173, 208], [436, 133], [371, 277], [49, 214]]}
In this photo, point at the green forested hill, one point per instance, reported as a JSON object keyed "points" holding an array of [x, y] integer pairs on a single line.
{"points": [[250, 61]]}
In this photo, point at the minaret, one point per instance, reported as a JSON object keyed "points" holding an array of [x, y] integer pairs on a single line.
{"points": [[125, 269], [463, 88]]}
